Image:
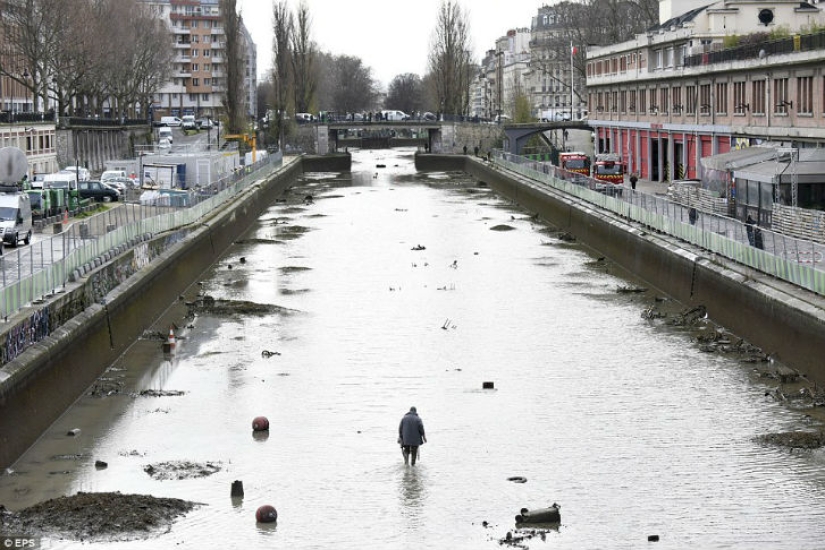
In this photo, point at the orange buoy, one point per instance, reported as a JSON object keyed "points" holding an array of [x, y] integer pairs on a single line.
{"points": [[266, 514], [260, 424], [171, 340]]}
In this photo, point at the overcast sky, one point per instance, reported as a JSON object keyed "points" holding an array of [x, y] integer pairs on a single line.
{"points": [[389, 36]]}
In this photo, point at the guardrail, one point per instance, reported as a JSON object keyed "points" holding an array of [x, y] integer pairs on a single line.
{"points": [[34, 272], [790, 259]]}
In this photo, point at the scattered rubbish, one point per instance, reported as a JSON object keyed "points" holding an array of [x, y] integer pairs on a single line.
{"points": [[540, 515], [73, 432], [653, 538], [100, 465], [488, 385], [267, 353], [419, 247], [517, 479]]}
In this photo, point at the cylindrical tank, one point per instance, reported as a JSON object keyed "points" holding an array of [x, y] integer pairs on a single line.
{"points": [[540, 515]]}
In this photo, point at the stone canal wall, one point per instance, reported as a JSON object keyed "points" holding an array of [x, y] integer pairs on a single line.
{"points": [[45, 379], [780, 318]]}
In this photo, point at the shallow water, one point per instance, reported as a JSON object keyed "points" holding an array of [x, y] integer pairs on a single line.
{"points": [[625, 424]]}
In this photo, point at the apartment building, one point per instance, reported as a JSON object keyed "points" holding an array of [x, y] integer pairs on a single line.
{"points": [[552, 74], [198, 82], [708, 80]]}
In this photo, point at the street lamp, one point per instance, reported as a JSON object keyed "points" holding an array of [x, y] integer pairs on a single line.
{"points": [[25, 85]]}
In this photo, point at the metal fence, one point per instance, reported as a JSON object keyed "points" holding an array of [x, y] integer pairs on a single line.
{"points": [[31, 273], [797, 261]]}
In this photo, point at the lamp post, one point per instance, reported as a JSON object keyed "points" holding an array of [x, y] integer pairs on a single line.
{"points": [[25, 76]]}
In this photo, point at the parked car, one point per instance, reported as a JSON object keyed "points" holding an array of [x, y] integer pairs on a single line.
{"points": [[188, 122], [429, 116], [205, 124], [97, 191], [301, 118], [121, 183], [165, 133], [164, 143], [171, 121]]}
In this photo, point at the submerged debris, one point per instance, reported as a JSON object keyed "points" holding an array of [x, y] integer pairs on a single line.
{"points": [[213, 306], [181, 470], [502, 227], [794, 440]]}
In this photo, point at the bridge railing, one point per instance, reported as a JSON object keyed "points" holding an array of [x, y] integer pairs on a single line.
{"points": [[797, 261], [31, 273]]}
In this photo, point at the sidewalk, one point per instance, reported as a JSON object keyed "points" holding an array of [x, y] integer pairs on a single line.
{"points": [[648, 186]]}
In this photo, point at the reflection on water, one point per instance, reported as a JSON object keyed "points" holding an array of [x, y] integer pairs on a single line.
{"points": [[396, 290]]}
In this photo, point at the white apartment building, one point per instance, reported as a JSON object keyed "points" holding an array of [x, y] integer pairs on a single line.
{"points": [[199, 72]]}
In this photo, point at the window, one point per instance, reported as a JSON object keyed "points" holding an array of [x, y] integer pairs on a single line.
{"points": [[664, 94], [195, 67], [669, 57], [642, 107], [196, 82], [207, 53], [805, 95], [652, 97], [207, 81], [657, 59], [690, 98], [676, 95], [623, 101], [193, 97], [193, 24], [780, 92], [739, 103], [195, 53], [721, 98], [632, 106], [758, 97], [205, 97], [704, 99]]}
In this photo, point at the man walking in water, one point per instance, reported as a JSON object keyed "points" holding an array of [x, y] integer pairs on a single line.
{"points": [[411, 435]]}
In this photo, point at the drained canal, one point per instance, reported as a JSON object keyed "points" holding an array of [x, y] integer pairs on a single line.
{"points": [[390, 289]]}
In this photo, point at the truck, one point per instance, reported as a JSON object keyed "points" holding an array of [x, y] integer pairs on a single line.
{"points": [[575, 161], [609, 170]]}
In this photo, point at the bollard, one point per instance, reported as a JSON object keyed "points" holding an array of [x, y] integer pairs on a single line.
{"points": [[57, 228], [237, 489]]}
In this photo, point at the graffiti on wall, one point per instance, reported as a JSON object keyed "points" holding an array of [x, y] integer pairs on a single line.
{"points": [[32, 330]]}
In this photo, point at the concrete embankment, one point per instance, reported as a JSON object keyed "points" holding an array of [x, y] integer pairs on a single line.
{"points": [[782, 319], [40, 383]]}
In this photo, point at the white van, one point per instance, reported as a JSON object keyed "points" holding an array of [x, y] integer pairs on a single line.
{"points": [[394, 115], [188, 122], [15, 218], [164, 132], [82, 174], [171, 121], [61, 180]]}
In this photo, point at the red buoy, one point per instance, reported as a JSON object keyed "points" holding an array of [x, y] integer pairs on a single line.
{"points": [[260, 424], [266, 514]]}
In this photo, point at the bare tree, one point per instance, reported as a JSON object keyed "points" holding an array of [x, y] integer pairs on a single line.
{"points": [[303, 60], [282, 28], [404, 93], [449, 58], [354, 86], [31, 30], [233, 101]]}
